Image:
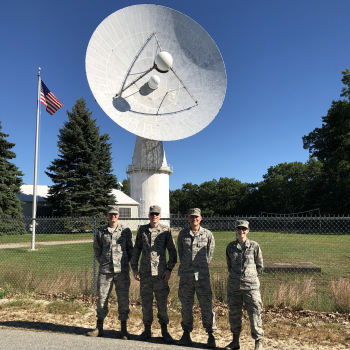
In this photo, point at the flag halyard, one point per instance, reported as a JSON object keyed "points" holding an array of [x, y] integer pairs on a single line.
{"points": [[49, 100]]}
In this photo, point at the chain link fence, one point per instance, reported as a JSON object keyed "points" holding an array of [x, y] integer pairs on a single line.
{"points": [[306, 259]]}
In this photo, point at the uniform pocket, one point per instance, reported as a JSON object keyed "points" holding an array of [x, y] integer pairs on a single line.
{"points": [[202, 242]]}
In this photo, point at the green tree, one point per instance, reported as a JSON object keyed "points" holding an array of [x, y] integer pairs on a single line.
{"points": [[183, 199], [287, 188], [82, 175], [231, 194], [346, 81], [126, 186], [10, 185], [223, 197], [330, 144]]}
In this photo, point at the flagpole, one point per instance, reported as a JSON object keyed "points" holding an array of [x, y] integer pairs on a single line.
{"points": [[36, 163]]}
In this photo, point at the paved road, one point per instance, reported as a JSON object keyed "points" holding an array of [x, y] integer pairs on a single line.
{"points": [[13, 339]]}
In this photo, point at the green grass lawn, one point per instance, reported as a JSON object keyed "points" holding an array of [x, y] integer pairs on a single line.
{"points": [[69, 267], [330, 252], [26, 238], [47, 259], [49, 269]]}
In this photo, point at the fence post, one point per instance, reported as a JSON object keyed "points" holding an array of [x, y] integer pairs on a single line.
{"points": [[94, 268], [319, 215]]}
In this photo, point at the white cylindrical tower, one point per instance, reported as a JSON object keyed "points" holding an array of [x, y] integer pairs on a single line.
{"points": [[149, 176]]}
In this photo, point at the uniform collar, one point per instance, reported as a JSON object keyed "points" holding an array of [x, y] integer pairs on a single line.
{"points": [[247, 243], [117, 228], [152, 229], [197, 233]]}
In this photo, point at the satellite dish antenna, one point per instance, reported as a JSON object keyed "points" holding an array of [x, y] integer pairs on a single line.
{"points": [[158, 74]]}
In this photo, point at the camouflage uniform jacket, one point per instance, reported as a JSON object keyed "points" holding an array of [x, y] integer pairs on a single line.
{"points": [[195, 252], [153, 242], [244, 266], [113, 250]]}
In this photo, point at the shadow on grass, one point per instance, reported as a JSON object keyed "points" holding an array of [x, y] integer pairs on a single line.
{"points": [[51, 327]]}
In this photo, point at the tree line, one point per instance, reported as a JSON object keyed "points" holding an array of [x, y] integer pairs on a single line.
{"points": [[83, 178], [322, 182]]}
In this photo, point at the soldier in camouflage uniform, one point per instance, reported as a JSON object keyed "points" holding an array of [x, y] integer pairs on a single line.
{"points": [[153, 240], [244, 263], [196, 247], [113, 245]]}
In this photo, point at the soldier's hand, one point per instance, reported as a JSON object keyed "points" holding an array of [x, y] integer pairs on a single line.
{"points": [[137, 276], [166, 276]]}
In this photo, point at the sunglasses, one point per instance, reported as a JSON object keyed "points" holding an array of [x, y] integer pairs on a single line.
{"points": [[241, 228], [155, 214]]}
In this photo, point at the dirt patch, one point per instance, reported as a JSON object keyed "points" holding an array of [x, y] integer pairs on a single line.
{"points": [[284, 328]]}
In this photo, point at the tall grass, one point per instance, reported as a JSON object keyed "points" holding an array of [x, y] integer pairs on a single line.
{"points": [[341, 295], [296, 292], [27, 281], [219, 286]]}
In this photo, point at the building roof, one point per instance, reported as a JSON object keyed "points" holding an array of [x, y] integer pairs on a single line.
{"points": [[122, 198], [27, 193], [42, 191]]}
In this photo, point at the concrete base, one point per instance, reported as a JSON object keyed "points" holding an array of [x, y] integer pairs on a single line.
{"points": [[301, 267]]}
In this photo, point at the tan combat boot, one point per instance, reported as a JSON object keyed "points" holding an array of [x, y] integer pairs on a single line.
{"points": [[165, 334], [185, 339], [211, 340], [234, 345], [98, 331], [258, 344], [124, 331], [146, 334]]}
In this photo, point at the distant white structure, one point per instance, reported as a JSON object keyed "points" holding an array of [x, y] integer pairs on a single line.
{"points": [[149, 176], [128, 207]]}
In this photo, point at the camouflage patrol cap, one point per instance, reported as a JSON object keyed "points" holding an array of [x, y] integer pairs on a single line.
{"points": [[242, 223], [194, 211], [112, 209], [154, 209]]}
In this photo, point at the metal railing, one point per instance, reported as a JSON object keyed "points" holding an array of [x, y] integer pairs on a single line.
{"points": [[149, 167]]}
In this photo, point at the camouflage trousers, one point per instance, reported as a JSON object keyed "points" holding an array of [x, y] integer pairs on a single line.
{"points": [[253, 305], [187, 288], [148, 286], [104, 287]]}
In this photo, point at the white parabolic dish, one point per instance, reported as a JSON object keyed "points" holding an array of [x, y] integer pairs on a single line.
{"points": [[123, 48]]}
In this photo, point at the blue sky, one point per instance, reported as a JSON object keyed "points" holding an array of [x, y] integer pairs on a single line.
{"points": [[283, 61]]}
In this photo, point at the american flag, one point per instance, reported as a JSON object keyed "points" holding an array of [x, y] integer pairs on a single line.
{"points": [[48, 99]]}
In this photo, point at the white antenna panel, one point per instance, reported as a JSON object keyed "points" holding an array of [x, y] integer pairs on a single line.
{"points": [[156, 72]]}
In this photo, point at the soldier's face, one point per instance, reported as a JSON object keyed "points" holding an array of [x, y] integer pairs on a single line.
{"points": [[194, 220], [242, 233], [112, 218], [154, 218]]}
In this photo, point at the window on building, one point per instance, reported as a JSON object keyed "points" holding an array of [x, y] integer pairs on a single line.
{"points": [[125, 212]]}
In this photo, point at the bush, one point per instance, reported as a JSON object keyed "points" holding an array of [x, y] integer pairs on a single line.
{"points": [[12, 227]]}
